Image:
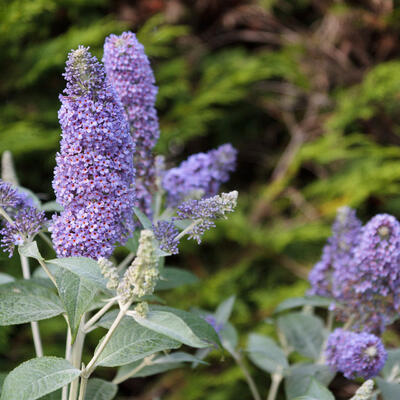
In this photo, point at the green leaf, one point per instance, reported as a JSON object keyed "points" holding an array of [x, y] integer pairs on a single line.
{"points": [[294, 302], [175, 277], [266, 354], [99, 389], [299, 377], [83, 267], [52, 206], [38, 377], [143, 219], [5, 278], [229, 337], [393, 361], [305, 398], [224, 310], [389, 390], [132, 243], [186, 327], [76, 294], [131, 342], [30, 250], [26, 301], [170, 325], [2, 377], [305, 333], [319, 391], [157, 366]]}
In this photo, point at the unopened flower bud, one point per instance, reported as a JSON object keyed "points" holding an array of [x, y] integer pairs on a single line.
{"points": [[109, 271]]}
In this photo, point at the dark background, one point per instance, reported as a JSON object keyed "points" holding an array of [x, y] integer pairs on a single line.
{"points": [[308, 91]]}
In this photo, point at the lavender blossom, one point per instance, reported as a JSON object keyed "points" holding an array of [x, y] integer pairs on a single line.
{"points": [[94, 173], [9, 196], [27, 222], [166, 233], [129, 72], [204, 212], [327, 275], [200, 175], [355, 354], [209, 318]]}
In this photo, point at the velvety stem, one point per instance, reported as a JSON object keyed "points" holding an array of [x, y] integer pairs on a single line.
{"points": [[68, 345], [76, 358], [147, 361], [98, 315], [246, 373], [34, 325], [273, 390]]}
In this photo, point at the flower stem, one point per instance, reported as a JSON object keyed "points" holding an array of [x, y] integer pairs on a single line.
{"points": [[92, 363], [246, 373], [147, 361], [273, 390], [49, 274], [125, 262], [34, 325], [4, 214], [187, 229], [82, 389], [98, 315], [76, 358], [68, 344]]}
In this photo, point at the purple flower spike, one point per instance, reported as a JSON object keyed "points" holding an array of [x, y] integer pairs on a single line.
{"points": [[27, 223], [129, 72], [94, 175], [200, 175], [326, 277], [166, 232], [355, 354]]}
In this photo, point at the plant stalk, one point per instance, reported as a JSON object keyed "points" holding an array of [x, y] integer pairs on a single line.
{"points": [[98, 315], [187, 229], [68, 344], [34, 325], [273, 390], [246, 373], [147, 361], [76, 358]]}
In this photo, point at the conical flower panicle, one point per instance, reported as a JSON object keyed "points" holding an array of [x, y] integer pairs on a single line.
{"points": [[94, 176], [129, 72]]}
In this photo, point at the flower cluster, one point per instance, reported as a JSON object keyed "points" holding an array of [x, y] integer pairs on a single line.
{"points": [[94, 174], [204, 212], [23, 221], [129, 72], [109, 272], [166, 233], [355, 354], [200, 175], [141, 277], [359, 269]]}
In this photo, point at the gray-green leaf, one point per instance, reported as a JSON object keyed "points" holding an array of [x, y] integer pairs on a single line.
{"points": [[317, 390], [299, 377], [171, 325], [5, 278], [389, 390], [77, 294], [393, 361], [38, 377], [224, 310], [132, 342], [229, 337], [305, 333], [143, 218], [294, 302], [99, 389], [266, 354], [175, 277], [31, 250], [83, 267], [26, 301]]}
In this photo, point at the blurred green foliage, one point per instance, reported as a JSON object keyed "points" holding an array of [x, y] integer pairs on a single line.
{"points": [[308, 92]]}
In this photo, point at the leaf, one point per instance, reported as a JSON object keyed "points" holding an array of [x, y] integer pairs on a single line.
{"points": [[30, 250], [229, 337], [25, 301], [83, 267], [298, 378], [305, 398], [99, 389], [131, 342], [266, 354], [393, 361], [5, 278], [186, 327], [174, 277], [224, 310], [170, 325], [52, 206], [38, 377], [143, 219], [132, 243], [2, 377], [294, 302], [305, 333], [318, 391], [158, 365], [76, 294], [389, 390]]}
